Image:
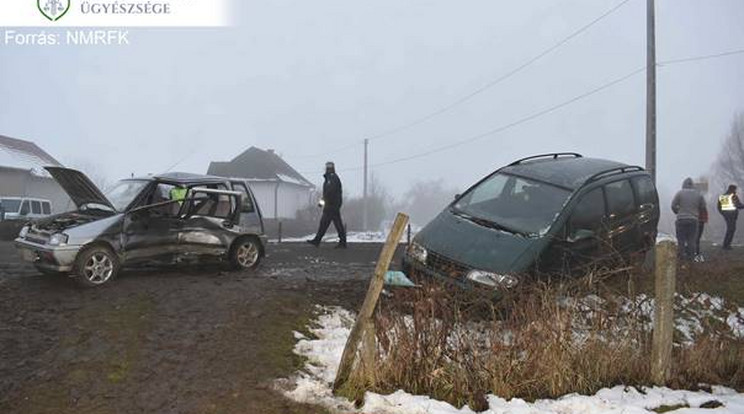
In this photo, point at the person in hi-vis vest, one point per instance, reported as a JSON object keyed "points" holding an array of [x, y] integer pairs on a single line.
{"points": [[729, 206]]}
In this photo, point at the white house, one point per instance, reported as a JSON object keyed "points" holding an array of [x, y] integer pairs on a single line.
{"points": [[22, 173], [281, 191]]}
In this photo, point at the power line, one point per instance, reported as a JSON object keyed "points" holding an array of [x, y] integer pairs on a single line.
{"points": [[501, 78], [701, 57], [479, 90], [502, 128]]}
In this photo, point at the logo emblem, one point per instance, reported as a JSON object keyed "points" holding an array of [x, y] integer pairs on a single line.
{"points": [[53, 9]]}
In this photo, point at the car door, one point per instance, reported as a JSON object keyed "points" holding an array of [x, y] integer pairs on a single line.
{"points": [[250, 216], [585, 233], [209, 221], [622, 225], [648, 209], [151, 231]]}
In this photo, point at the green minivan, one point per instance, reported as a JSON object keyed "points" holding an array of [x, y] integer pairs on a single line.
{"points": [[542, 214]]}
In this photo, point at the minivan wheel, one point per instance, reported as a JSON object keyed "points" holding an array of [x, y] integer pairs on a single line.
{"points": [[245, 254], [96, 266]]}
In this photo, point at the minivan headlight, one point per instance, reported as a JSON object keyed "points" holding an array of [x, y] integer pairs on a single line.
{"points": [[23, 232], [493, 279], [58, 239], [418, 252]]}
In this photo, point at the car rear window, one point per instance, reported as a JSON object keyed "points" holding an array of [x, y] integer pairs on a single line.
{"points": [[46, 208], [620, 200]]}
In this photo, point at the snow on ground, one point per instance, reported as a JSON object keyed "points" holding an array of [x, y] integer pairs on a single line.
{"points": [[333, 325], [351, 237]]}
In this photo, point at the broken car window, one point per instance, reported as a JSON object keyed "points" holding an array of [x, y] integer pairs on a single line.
{"points": [[124, 192]]}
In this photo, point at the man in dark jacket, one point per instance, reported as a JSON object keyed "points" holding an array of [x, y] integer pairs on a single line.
{"points": [[729, 206], [687, 204], [331, 202]]}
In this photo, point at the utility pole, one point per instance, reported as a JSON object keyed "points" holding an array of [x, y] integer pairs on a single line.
{"points": [[651, 89], [366, 172]]}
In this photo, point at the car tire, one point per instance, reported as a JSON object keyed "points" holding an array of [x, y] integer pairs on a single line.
{"points": [[95, 266], [245, 254]]}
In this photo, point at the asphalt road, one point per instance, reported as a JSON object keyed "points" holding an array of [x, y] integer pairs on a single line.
{"points": [[191, 339]]}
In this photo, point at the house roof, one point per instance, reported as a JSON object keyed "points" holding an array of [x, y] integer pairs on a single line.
{"points": [[258, 165], [25, 155]]}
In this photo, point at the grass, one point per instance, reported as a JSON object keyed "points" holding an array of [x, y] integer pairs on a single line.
{"points": [[546, 340]]}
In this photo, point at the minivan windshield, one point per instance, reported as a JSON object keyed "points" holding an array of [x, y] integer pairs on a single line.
{"points": [[11, 205], [513, 204], [124, 192]]}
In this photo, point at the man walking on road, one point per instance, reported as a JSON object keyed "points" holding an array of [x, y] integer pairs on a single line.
{"points": [[331, 203], [729, 206], [687, 204]]}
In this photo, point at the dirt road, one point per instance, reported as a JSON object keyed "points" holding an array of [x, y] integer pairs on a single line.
{"points": [[185, 340]]}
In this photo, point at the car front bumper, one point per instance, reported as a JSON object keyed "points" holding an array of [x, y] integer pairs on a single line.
{"points": [[53, 258]]}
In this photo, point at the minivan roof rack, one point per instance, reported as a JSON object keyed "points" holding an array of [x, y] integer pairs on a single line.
{"points": [[613, 171], [553, 155]]}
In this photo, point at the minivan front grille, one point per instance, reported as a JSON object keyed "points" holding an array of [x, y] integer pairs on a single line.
{"points": [[446, 266]]}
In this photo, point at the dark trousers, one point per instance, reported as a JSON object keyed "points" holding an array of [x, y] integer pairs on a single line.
{"points": [[730, 229], [701, 227], [331, 215], [687, 232]]}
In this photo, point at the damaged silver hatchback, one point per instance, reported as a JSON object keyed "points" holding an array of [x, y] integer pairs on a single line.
{"points": [[167, 218]]}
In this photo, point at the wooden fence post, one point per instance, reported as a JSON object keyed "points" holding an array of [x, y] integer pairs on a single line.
{"points": [[363, 327], [666, 269]]}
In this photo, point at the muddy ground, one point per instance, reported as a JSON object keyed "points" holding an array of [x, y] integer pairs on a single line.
{"points": [[163, 340]]}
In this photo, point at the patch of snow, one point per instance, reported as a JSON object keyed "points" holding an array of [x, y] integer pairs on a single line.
{"points": [[332, 327]]}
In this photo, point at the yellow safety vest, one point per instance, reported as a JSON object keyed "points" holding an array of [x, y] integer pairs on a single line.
{"points": [[178, 194], [727, 202]]}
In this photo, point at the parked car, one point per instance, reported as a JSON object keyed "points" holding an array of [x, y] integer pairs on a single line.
{"points": [[169, 217], [546, 213], [24, 208]]}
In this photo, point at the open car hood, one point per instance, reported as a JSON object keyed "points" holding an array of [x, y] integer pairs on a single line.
{"points": [[78, 186]]}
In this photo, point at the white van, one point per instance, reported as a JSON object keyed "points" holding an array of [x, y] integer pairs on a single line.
{"points": [[22, 208]]}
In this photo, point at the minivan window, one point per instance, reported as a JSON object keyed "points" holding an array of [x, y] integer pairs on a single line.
{"points": [[124, 192], [589, 212], [36, 207], [25, 208], [46, 208], [516, 204], [620, 200], [645, 191], [11, 206]]}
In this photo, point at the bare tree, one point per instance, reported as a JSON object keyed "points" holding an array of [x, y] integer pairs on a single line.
{"points": [[94, 172], [727, 169], [425, 199]]}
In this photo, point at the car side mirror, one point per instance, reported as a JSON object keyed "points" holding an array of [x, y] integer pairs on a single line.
{"points": [[581, 234]]}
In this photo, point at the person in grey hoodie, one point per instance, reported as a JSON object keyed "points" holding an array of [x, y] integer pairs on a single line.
{"points": [[687, 204]]}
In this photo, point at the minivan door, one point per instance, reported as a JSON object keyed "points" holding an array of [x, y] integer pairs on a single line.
{"points": [[585, 234], [622, 226], [648, 209]]}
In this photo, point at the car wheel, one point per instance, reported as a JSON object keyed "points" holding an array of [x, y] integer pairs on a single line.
{"points": [[245, 254], [96, 266]]}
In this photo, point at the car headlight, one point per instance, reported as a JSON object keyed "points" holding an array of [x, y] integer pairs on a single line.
{"points": [[418, 252], [493, 279], [23, 232], [58, 239]]}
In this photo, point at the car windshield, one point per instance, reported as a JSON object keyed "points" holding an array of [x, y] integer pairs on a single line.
{"points": [[513, 204], [11, 205], [124, 192]]}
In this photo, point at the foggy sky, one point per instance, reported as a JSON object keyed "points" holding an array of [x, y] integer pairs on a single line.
{"points": [[306, 77]]}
